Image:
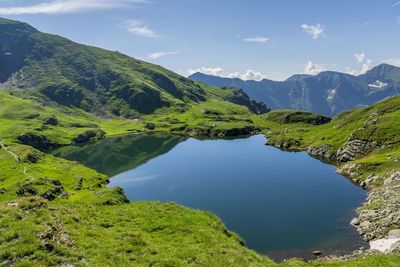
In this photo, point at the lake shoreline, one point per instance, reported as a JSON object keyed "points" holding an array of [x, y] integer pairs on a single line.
{"points": [[307, 256]]}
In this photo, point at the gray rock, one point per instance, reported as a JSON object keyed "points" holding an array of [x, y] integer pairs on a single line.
{"points": [[355, 222], [322, 152], [354, 149], [394, 233]]}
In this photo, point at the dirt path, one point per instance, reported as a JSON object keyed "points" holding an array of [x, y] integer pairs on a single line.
{"points": [[2, 146], [17, 159]]}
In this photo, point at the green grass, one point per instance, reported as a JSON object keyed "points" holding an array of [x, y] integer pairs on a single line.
{"points": [[36, 232], [93, 225]]}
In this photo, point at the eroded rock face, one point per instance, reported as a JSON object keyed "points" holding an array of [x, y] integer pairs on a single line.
{"points": [[354, 149], [322, 152]]}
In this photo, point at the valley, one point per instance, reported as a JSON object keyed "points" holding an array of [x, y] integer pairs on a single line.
{"points": [[57, 94]]}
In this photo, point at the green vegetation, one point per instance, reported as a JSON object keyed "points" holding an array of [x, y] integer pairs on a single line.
{"points": [[57, 212]]}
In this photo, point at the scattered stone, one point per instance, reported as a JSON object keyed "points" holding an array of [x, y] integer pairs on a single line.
{"points": [[317, 253]]}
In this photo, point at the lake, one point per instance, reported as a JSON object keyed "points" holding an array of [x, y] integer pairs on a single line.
{"points": [[282, 204]]}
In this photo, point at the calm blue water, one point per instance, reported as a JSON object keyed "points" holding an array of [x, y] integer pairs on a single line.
{"points": [[282, 204]]}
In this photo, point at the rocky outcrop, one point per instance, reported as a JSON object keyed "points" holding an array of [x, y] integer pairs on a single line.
{"points": [[354, 149], [90, 135], [380, 214], [37, 141], [239, 97], [323, 152]]}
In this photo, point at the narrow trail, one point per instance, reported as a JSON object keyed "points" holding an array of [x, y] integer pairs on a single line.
{"points": [[2, 146], [17, 159]]}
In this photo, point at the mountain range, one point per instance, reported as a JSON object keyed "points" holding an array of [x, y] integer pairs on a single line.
{"points": [[327, 93], [96, 80]]}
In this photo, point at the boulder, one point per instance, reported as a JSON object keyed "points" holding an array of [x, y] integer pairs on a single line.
{"points": [[355, 221], [317, 253], [51, 121]]}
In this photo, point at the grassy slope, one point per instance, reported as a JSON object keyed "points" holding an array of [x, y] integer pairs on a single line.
{"points": [[157, 238], [92, 224]]}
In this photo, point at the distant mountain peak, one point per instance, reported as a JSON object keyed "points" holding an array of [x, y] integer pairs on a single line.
{"points": [[326, 93]]}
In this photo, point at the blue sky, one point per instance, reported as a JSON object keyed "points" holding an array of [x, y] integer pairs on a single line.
{"points": [[250, 39]]}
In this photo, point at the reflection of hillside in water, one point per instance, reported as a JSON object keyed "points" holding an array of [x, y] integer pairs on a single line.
{"points": [[118, 154]]}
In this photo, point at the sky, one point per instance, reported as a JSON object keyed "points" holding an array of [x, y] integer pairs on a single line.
{"points": [[247, 39]]}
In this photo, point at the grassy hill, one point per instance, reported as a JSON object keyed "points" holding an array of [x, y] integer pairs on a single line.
{"points": [[93, 79], [55, 212]]}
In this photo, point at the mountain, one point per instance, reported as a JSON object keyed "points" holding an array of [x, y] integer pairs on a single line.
{"points": [[93, 79], [327, 93]]}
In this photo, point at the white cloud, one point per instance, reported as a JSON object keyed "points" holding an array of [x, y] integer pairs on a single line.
{"points": [[316, 31], [393, 61], [218, 71], [364, 65], [359, 57], [396, 4], [248, 75], [67, 6], [257, 39], [139, 28], [312, 68], [156, 55]]}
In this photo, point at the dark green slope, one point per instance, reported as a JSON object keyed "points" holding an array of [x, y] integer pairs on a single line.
{"points": [[94, 79]]}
